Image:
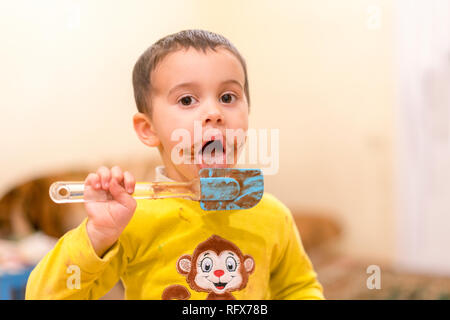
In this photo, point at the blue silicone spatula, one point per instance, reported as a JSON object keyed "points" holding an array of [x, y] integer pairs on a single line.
{"points": [[215, 189]]}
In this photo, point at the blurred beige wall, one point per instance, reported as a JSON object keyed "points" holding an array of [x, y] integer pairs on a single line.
{"points": [[67, 95], [322, 72], [319, 71]]}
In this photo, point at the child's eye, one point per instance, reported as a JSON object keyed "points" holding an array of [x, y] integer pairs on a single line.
{"points": [[187, 100], [228, 98]]}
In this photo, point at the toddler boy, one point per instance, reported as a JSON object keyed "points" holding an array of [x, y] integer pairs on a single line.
{"points": [[171, 248]]}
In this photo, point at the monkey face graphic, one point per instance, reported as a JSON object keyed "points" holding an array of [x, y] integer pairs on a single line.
{"points": [[217, 266], [221, 273]]}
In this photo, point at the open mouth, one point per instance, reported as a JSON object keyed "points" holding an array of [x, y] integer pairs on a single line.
{"points": [[216, 152], [220, 285], [213, 147], [211, 153]]}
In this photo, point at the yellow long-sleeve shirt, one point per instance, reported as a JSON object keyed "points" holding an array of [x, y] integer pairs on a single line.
{"points": [[173, 249]]}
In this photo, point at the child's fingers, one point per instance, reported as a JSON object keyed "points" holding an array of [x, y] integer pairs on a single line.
{"points": [[121, 196], [93, 180], [117, 174], [105, 176], [129, 182]]}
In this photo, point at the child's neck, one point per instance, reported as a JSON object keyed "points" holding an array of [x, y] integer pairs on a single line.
{"points": [[169, 173]]}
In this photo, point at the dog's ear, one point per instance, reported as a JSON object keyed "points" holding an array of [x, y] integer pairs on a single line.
{"points": [[27, 208], [6, 203], [14, 221], [39, 210]]}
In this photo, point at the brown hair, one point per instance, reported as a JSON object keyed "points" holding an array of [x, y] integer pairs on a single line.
{"points": [[198, 39]]}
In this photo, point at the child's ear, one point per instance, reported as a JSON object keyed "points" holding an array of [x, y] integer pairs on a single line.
{"points": [[145, 130]]}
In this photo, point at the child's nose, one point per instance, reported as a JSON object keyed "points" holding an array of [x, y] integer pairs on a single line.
{"points": [[213, 116], [213, 119], [218, 273]]}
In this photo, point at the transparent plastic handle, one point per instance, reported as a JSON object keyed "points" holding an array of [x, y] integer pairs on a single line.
{"points": [[73, 191], [67, 191]]}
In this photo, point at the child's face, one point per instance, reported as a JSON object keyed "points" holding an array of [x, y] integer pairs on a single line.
{"points": [[192, 89]]}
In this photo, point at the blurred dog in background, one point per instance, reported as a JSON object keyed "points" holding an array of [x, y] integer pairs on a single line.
{"points": [[27, 208]]}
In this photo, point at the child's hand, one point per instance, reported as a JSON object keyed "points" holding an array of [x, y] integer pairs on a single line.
{"points": [[109, 205]]}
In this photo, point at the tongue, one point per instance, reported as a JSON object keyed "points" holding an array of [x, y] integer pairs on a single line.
{"points": [[212, 153], [214, 157], [213, 145]]}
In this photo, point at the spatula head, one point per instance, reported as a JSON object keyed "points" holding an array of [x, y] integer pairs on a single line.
{"points": [[251, 188], [218, 189]]}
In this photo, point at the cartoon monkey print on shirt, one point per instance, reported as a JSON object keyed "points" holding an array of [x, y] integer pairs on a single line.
{"points": [[217, 267]]}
